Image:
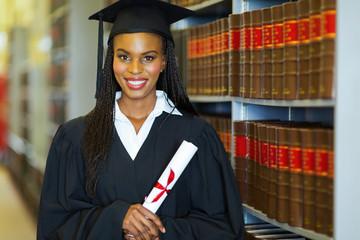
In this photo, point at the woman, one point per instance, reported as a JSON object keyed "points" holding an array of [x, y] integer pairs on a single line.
{"points": [[101, 167]]}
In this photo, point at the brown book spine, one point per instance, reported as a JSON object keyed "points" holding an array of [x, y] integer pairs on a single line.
{"points": [[197, 79], [321, 171], [255, 53], [291, 41], [212, 58], [264, 159], [309, 178], [277, 52], [245, 56], [202, 68], [304, 49], [267, 53], [251, 163], [234, 55], [272, 172], [224, 87], [191, 88], [328, 16], [257, 181], [282, 214], [240, 155], [215, 88], [331, 182], [207, 52], [296, 178], [315, 47]]}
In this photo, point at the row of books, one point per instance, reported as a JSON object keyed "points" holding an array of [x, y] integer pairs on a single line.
{"points": [[266, 231], [285, 170], [57, 73], [59, 32], [186, 3], [55, 4], [285, 51], [222, 125]]}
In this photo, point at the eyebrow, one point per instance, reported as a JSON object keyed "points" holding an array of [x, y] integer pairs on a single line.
{"points": [[144, 53]]}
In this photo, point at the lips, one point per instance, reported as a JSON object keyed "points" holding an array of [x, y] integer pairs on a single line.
{"points": [[135, 83]]}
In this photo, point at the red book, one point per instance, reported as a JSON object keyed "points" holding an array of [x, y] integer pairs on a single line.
{"points": [[304, 49], [315, 47], [277, 53], [272, 172], [322, 180], [255, 53], [283, 168], [331, 182], [291, 41], [240, 157], [309, 178], [328, 33], [245, 55], [267, 53], [234, 55], [296, 178]]}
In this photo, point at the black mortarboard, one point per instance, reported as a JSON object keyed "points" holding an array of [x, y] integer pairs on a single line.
{"points": [[131, 16]]}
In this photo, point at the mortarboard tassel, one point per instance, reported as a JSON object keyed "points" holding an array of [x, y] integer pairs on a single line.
{"points": [[100, 55]]}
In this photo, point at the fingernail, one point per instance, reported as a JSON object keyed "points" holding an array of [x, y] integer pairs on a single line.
{"points": [[163, 230]]}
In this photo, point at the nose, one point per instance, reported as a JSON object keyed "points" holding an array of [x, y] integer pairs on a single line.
{"points": [[135, 67]]}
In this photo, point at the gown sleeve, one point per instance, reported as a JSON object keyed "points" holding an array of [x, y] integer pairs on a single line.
{"points": [[66, 212], [216, 209]]}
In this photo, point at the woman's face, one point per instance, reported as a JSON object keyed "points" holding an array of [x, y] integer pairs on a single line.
{"points": [[138, 62]]}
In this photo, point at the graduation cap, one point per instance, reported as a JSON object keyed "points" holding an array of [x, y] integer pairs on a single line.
{"points": [[132, 16]]}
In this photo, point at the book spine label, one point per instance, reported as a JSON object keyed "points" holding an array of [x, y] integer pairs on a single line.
{"points": [[291, 32], [322, 165], [240, 146], [308, 161], [329, 23], [283, 157], [295, 159], [315, 27], [234, 39], [272, 156], [278, 35], [304, 30]]}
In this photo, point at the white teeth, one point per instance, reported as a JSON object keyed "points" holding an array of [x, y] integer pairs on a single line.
{"points": [[136, 82]]}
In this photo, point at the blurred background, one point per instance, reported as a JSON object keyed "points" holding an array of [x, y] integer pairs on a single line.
{"points": [[48, 51]]}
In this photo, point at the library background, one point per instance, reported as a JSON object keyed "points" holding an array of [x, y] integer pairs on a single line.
{"points": [[277, 80]]}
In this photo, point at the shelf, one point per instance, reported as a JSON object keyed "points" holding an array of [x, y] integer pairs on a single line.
{"points": [[265, 102], [209, 7], [207, 99], [303, 232], [60, 12]]}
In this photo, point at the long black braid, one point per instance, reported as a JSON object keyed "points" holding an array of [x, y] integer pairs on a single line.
{"points": [[99, 128]]}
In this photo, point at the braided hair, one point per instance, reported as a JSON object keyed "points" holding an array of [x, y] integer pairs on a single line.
{"points": [[99, 127]]}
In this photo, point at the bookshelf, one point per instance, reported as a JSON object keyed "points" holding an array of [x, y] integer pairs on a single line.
{"points": [[337, 112]]}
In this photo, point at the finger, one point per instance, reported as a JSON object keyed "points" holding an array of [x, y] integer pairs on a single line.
{"points": [[153, 217]]}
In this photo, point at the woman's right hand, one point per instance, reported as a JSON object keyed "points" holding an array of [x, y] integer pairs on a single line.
{"points": [[141, 224]]}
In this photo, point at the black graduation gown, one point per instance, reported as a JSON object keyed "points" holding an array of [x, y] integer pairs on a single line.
{"points": [[203, 204]]}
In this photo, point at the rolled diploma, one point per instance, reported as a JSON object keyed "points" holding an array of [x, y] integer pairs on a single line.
{"points": [[170, 175]]}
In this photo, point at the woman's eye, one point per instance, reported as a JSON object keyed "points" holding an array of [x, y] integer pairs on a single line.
{"points": [[124, 58], [148, 58]]}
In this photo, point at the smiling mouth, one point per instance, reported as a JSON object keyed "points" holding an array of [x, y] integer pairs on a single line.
{"points": [[135, 83]]}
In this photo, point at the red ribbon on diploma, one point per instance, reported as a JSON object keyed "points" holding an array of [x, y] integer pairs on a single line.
{"points": [[164, 189]]}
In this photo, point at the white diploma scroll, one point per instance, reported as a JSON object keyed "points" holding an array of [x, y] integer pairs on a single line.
{"points": [[170, 175]]}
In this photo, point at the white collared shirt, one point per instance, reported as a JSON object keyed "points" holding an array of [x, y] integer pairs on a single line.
{"points": [[126, 131]]}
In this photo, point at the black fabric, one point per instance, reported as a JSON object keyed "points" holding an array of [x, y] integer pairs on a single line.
{"points": [[204, 203], [130, 16]]}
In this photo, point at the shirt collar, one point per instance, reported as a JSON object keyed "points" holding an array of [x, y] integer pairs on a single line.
{"points": [[163, 104]]}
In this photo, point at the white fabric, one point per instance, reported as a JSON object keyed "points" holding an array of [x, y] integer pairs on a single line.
{"points": [[126, 130]]}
